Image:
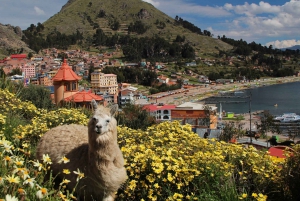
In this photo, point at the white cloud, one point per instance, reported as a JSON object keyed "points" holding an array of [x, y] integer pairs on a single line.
{"points": [[253, 9], [263, 20], [283, 44], [39, 11]]}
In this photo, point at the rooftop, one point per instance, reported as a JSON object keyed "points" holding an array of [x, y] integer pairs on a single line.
{"points": [[65, 73]]}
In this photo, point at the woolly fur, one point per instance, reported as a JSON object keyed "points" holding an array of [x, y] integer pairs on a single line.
{"points": [[93, 150]]}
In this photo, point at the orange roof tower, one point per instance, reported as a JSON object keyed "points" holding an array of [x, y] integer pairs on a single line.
{"points": [[65, 73], [64, 81]]}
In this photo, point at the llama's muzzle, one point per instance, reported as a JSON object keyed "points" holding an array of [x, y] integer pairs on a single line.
{"points": [[98, 129]]}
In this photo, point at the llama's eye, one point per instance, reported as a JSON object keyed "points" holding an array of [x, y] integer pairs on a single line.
{"points": [[94, 119], [107, 121]]}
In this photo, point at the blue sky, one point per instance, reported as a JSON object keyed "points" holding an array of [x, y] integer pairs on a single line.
{"points": [[275, 22]]}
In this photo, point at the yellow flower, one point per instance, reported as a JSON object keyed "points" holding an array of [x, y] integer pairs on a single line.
{"points": [[65, 181], [66, 171], [42, 193], [21, 191], [12, 179], [80, 174], [47, 159], [29, 181], [170, 177], [64, 160], [132, 184]]}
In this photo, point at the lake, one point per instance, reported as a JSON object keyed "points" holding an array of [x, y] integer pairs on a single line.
{"points": [[286, 96]]}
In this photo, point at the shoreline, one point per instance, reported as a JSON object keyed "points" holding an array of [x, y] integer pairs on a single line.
{"points": [[199, 93]]}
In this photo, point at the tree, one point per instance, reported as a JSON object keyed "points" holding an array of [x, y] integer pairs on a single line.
{"points": [[232, 130], [16, 71], [135, 117], [29, 55], [267, 124], [38, 95]]}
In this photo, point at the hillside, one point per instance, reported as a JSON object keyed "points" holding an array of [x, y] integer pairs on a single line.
{"points": [[86, 15], [10, 40]]}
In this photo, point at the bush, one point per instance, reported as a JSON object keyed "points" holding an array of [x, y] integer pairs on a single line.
{"points": [[165, 162]]}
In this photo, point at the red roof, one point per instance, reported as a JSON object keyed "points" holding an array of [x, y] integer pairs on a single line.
{"points": [[18, 56], [83, 96], [278, 151], [153, 108], [65, 73]]}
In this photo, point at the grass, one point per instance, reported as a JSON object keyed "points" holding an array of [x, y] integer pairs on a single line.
{"points": [[74, 16]]}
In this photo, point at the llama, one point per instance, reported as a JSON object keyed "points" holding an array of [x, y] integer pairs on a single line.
{"points": [[93, 150]]}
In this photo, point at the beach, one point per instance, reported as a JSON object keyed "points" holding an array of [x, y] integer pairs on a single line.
{"points": [[198, 93]]}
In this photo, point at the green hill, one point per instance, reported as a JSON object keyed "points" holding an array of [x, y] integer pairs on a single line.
{"points": [[88, 15]]}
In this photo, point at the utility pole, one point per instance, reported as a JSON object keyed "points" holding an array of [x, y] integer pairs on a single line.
{"points": [[250, 131]]}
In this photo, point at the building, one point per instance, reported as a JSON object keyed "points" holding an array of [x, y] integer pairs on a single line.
{"points": [[195, 114], [29, 71], [104, 83], [18, 56], [163, 79], [65, 83], [161, 112]]}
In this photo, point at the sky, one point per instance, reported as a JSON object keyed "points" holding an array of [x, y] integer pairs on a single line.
{"points": [[275, 22]]}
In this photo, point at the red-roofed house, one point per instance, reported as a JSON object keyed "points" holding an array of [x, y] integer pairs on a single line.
{"points": [[18, 56], [160, 112]]}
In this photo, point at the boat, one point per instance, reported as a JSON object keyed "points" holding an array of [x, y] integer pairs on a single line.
{"points": [[275, 105], [291, 119], [288, 117], [238, 92]]}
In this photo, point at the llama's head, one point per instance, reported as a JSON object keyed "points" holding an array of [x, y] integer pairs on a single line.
{"points": [[102, 125]]}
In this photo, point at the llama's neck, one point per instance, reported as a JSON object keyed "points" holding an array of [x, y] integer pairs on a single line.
{"points": [[100, 151]]}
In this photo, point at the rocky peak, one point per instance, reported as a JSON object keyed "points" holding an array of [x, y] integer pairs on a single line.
{"points": [[144, 14]]}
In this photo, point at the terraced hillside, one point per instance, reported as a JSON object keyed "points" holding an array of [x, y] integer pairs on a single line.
{"points": [[88, 15]]}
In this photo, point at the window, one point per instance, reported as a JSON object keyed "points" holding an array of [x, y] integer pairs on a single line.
{"points": [[166, 111], [166, 117]]}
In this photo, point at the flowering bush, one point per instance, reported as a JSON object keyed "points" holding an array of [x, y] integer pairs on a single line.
{"points": [[166, 162], [170, 162]]}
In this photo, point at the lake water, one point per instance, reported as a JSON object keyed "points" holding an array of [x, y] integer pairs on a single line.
{"points": [[286, 96]]}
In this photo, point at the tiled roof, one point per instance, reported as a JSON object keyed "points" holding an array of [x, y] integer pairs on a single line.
{"points": [[83, 96], [65, 73]]}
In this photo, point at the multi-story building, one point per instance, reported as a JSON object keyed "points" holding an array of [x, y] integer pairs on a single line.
{"points": [[29, 71], [161, 112], [104, 83]]}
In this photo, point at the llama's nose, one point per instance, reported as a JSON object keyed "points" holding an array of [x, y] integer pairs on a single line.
{"points": [[98, 126]]}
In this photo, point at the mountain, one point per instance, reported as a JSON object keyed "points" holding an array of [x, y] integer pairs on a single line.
{"points": [[88, 15], [295, 47], [10, 41]]}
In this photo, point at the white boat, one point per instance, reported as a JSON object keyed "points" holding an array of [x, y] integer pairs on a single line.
{"points": [[291, 119], [238, 92], [288, 117]]}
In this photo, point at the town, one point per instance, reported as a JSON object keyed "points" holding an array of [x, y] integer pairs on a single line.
{"points": [[63, 80]]}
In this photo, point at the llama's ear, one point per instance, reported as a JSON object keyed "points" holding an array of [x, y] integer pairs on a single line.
{"points": [[113, 109], [94, 104]]}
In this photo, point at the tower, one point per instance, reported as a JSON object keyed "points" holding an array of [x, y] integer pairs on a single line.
{"points": [[64, 81]]}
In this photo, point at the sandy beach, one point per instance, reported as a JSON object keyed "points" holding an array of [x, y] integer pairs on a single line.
{"points": [[199, 93]]}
